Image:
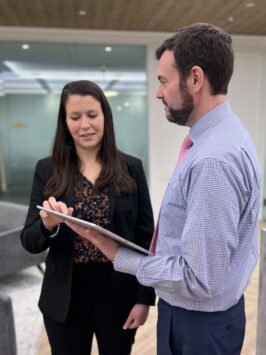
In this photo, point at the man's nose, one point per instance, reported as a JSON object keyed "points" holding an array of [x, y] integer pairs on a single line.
{"points": [[159, 93]]}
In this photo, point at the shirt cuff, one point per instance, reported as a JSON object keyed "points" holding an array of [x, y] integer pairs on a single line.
{"points": [[56, 232], [49, 234], [127, 261]]}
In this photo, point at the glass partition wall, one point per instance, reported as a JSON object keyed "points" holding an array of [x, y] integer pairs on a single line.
{"points": [[31, 79]]}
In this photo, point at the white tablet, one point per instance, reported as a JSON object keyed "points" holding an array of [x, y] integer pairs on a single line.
{"points": [[86, 224]]}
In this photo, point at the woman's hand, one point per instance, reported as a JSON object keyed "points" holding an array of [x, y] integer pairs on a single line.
{"points": [[49, 221], [137, 316]]}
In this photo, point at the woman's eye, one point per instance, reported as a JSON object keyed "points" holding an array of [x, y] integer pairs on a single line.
{"points": [[92, 115]]}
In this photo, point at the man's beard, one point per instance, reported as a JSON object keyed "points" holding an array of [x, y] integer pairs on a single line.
{"points": [[180, 116]]}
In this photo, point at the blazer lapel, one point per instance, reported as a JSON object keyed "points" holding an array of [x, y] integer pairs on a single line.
{"points": [[111, 202]]}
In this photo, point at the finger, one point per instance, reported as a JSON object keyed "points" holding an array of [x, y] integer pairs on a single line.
{"points": [[96, 238], [43, 214], [52, 202], [76, 228], [46, 204], [134, 325], [128, 322], [62, 207], [70, 210]]}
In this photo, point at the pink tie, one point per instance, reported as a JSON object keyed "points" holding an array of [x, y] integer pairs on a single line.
{"points": [[187, 143]]}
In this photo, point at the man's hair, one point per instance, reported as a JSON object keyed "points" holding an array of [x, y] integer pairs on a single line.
{"points": [[206, 46]]}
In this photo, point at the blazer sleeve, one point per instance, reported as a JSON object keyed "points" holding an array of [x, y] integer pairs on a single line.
{"points": [[145, 227], [34, 237]]}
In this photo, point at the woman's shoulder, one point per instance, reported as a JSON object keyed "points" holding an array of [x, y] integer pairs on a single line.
{"points": [[44, 164], [130, 160]]}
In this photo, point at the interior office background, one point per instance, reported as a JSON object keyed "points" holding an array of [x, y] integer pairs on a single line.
{"points": [[31, 80]]}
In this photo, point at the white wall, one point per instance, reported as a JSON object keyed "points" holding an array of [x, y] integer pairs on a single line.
{"points": [[246, 92]]}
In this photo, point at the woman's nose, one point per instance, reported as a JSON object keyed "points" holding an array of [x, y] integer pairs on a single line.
{"points": [[85, 122]]}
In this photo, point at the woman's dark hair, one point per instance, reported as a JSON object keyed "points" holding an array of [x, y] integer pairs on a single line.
{"points": [[65, 161], [204, 45]]}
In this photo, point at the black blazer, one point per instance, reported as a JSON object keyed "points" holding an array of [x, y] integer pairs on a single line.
{"points": [[131, 217]]}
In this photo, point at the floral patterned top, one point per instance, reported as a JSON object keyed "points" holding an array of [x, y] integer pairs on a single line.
{"points": [[93, 207]]}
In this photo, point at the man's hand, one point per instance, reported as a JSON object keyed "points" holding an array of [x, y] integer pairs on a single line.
{"points": [[107, 246]]}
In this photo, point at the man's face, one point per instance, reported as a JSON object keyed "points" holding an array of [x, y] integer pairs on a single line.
{"points": [[178, 103]]}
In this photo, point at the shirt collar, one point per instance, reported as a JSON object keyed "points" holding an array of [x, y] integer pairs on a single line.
{"points": [[209, 120]]}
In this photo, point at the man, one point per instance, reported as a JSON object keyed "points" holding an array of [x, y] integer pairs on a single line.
{"points": [[206, 245]]}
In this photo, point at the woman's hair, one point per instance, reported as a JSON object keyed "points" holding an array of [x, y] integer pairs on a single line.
{"points": [[65, 161]]}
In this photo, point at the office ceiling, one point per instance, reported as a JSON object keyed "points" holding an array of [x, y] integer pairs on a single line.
{"points": [[235, 16], [47, 66]]}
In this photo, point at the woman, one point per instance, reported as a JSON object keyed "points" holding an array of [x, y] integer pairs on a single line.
{"points": [[81, 293]]}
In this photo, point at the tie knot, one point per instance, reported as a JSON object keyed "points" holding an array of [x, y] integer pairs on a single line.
{"points": [[187, 143]]}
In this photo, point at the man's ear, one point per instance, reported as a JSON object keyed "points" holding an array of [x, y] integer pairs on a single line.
{"points": [[196, 78]]}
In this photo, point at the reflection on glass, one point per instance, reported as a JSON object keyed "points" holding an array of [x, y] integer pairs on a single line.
{"points": [[30, 83]]}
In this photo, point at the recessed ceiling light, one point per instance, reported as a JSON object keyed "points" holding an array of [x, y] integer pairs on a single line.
{"points": [[250, 4], [231, 19], [110, 93], [119, 108], [126, 104], [25, 46], [108, 49], [82, 13]]}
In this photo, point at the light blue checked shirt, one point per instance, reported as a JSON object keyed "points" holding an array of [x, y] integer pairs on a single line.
{"points": [[207, 240]]}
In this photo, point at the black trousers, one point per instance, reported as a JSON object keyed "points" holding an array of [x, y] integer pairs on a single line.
{"points": [[91, 312], [184, 332]]}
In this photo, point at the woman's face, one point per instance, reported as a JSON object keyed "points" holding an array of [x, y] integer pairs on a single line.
{"points": [[85, 121]]}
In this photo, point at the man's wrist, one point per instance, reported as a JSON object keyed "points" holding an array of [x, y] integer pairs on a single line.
{"points": [[127, 261]]}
